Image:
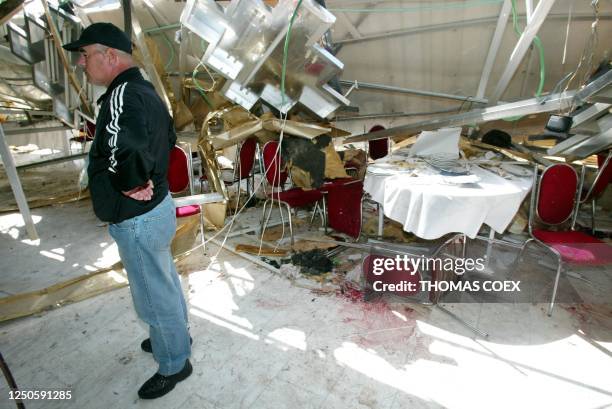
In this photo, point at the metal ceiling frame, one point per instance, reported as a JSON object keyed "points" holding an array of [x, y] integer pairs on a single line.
{"points": [[524, 107], [382, 87], [500, 29], [521, 47], [457, 24]]}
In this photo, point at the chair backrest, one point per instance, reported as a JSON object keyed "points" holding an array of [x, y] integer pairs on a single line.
{"points": [[604, 176], [344, 208], [178, 170], [271, 159], [246, 158], [556, 194], [378, 148]]}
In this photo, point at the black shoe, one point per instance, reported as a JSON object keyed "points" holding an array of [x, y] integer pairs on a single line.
{"points": [[146, 345], [159, 385]]}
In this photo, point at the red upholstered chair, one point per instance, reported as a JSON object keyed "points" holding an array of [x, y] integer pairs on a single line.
{"points": [[246, 159], [243, 165], [275, 177], [554, 203], [179, 182], [344, 206], [378, 148], [602, 179]]}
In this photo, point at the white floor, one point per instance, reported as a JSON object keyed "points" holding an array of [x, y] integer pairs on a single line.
{"points": [[260, 342]]}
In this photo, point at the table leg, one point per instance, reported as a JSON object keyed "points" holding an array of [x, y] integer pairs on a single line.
{"points": [[381, 217]]}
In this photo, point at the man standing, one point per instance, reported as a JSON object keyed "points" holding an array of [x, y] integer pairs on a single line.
{"points": [[128, 163]]}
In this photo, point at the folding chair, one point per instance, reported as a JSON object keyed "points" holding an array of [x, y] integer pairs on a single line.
{"points": [[344, 206], [602, 179], [180, 181], [553, 202], [275, 177], [243, 166]]}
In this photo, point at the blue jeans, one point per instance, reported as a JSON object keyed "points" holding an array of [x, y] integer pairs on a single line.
{"points": [[144, 248]]}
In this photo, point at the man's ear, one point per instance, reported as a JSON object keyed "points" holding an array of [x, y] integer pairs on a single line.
{"points": [[113, 56]]}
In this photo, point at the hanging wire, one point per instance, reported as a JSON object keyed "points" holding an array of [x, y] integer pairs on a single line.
{"points": [[567, 29], [587, 54], [201, 89], [277, 160]]}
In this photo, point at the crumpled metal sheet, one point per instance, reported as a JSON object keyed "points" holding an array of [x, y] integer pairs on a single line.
{"points": [[246, 46], [247, 129]]}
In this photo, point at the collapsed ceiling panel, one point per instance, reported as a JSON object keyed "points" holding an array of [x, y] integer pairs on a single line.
{"points": [[246, 45]]}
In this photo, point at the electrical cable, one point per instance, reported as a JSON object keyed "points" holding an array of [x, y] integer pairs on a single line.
{"points": [[538, 44], [201, 89], [276, 161]]}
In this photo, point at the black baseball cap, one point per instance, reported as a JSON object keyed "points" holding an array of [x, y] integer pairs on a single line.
{"points": [[102, 33]]}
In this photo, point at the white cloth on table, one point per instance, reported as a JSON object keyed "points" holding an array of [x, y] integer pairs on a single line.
{"points": [[430, 205]]}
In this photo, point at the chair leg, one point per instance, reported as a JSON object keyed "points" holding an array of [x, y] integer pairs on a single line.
{"points": [[554, 294], [314, 212], [324, 215], [520, 254], [264, 220], [202, 229], [290, 225], [593, 217], [381, 219]]}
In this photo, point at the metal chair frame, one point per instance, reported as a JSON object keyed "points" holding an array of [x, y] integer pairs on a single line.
{"points": [[589, 196], [270, 198], [535, 197]]}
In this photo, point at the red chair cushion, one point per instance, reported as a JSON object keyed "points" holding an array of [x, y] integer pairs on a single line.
{"points": [[178, 170], [185, 211], [297, 197], [247, 157], [557, 193], [605, 178], [576, 247], [378, 148], [272, 164], [344, 208]]}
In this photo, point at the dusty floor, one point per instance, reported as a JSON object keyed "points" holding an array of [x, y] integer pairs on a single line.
{"points": [[262, 342]]}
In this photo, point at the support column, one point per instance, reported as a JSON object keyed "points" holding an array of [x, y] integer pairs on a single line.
{"points": [[11, 172]]}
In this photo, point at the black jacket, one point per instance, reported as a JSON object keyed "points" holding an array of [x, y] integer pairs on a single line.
{"points": [[134, 135]]}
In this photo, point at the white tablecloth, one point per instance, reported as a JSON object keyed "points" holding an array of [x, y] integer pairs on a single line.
{"points": [[430, 207]]}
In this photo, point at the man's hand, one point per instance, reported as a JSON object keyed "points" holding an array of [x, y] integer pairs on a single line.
{"points": [[144, 192]]}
